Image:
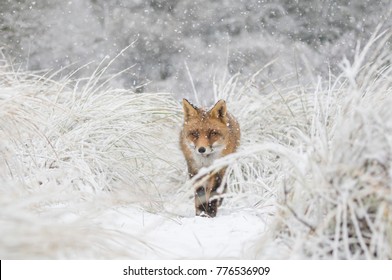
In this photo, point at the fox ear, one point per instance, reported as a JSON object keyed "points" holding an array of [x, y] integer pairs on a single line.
{"points": [[219, 110], [189, 109]]}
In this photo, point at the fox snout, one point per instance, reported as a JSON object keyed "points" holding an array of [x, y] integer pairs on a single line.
{"points": [[203, 149]]}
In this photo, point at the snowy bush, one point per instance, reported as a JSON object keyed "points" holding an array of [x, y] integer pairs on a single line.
{"points": [[336, 200], [65, 148]]}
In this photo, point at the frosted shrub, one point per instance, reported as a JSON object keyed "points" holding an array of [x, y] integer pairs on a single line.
{"points": [[338, 204], [71, 149]]}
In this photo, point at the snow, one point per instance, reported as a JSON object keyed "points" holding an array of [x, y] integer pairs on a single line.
{"points": [[90, 165], [229, 235]]}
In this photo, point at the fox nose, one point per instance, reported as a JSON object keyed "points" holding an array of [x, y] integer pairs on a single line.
{"points": [[202, 150]]}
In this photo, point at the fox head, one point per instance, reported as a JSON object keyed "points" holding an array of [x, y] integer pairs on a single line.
{"points": [[205, 131]]}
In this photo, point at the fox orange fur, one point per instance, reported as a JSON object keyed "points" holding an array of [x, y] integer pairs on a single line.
{"points": [[208, 135]]}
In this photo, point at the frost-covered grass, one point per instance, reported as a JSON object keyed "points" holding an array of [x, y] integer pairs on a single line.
{"points": [[87, 171], [69, 152], [336, 184]]}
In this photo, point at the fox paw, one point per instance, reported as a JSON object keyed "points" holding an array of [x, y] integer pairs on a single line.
{"points": [[203, 214]]}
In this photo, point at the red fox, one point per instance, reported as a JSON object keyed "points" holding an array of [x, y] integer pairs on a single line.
{"points": [[206, 136]]}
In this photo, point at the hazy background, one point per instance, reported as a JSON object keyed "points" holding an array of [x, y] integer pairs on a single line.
{"points": [[211, 38]]}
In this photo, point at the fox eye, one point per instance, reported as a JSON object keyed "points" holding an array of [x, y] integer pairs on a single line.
{"points": [[213, 133], [194, 134]]}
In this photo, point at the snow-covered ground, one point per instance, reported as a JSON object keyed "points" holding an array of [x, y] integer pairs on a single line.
{"points": [[230, 235], [87, 171]]}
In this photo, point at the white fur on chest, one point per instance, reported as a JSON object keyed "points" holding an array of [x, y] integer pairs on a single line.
{"points": [[204, 161]]}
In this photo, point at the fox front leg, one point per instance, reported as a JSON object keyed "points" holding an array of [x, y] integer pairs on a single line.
{"points": [[207, 199], [214, 196], [201, 202]]}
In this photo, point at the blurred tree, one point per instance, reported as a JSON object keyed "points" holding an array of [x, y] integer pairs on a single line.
{"points": [[212, 37]]}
